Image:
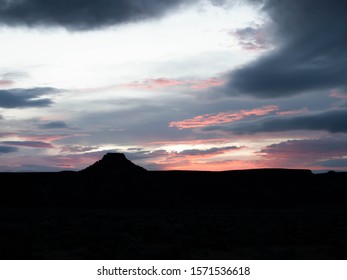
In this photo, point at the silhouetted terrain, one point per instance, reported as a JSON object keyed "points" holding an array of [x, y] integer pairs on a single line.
{"points": [[115, 209]]}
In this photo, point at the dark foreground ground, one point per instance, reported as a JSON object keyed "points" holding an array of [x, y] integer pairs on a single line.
{"points": [[173, 234], [131, 213]]}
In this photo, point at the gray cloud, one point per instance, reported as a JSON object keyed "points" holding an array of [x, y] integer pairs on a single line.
{"points": [[53, 125], [144, 154], [7, 150], [21, 98], [334, 163], [82, 14], [310, 56], [332, 146], [15, 75], [29, 144], [323, 152], [252, 38], [212, 151], [78, 148], [331, 121]]}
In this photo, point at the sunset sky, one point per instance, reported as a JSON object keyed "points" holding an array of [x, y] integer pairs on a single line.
{"points": [[173, 84]]}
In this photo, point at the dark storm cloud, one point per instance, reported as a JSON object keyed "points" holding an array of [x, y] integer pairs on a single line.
{"points": [[29, 144], [311, 51], [82, 14], [53, 125], [21, 98], [7, 150], [331, 121]]}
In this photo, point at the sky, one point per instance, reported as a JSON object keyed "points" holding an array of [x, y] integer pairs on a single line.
{"points": [[175, 84]]}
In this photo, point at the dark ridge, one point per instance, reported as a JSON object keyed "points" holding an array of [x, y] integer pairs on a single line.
{"points": [[113, 163]]}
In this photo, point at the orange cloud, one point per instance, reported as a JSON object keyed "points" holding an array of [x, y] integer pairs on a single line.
{"points": [[220, 118]]}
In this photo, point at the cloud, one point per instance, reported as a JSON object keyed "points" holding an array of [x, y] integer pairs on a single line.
{"points": [[53, 125], [22, 98], [293, 112], [160, 83], [78, 148], [333, 146], [14, 75], [323, 152], [332, 121], [185, 159], [155, 83], [7, 150], [341, 162], [82, 14], [7, 134], [338, 94], [252, 38], [46, 137], [6, 83], [29, 144], [309, 53], [191, 153], [221, 118], [205, 84], [208, 152]]}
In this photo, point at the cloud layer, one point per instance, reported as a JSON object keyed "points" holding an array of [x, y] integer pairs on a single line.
{"points": [[331, 121], [310, 55], [81, 14], [7, 150], [20, 98]]}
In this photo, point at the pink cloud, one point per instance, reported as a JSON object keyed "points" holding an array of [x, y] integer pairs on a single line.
{"points": [[160, 83], [338, 94], [224, 117], [6, 134], [223, 165], [205, 84], [154, 83], [6, 83]]}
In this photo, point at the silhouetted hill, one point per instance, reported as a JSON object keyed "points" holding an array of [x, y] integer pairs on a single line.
{"points": [[116, 182], [113, 163]]}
